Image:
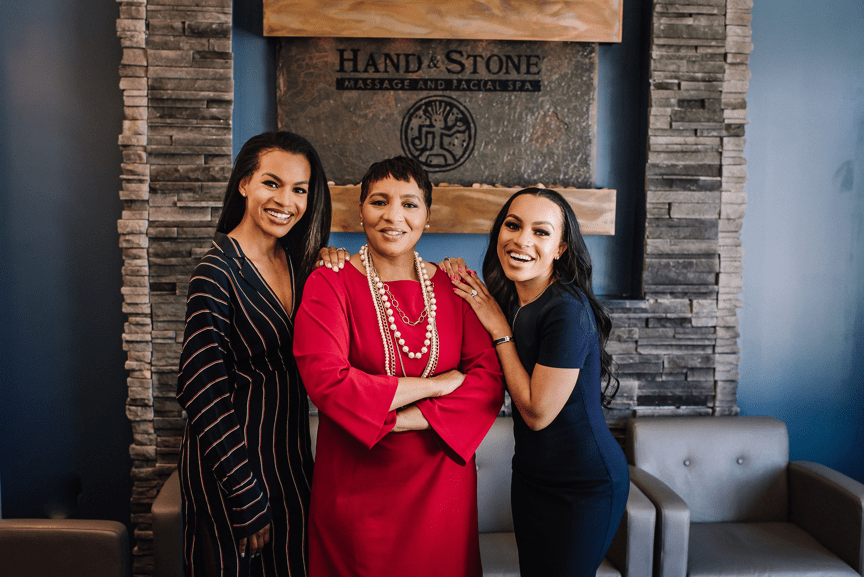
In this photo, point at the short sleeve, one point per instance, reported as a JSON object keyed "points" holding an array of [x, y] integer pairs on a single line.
{"points": [[567, 332]]}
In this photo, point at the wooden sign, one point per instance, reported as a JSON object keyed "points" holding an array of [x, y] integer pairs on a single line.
{"points": [[567, 20], [471, 210]]}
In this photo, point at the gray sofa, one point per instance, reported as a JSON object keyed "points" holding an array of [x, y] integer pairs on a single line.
{"points": [[729, 501], [629, 556]]}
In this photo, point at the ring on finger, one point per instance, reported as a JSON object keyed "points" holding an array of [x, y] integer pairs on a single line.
{"points": [[473, 292], [446, 258], [341, 248]]}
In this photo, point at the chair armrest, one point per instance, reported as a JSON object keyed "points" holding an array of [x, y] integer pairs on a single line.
{"points": [[632, 548], [167, 519], [672, 530], [830, 506], [73, 547]]}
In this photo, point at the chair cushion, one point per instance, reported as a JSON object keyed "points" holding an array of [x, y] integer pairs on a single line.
{"points": [[498, 554], [69, 547], [760, 550], [493, 457], [727, 469], [500, 559]]}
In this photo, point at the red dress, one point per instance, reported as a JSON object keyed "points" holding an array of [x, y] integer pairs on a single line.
{"points": [[387, 503]]}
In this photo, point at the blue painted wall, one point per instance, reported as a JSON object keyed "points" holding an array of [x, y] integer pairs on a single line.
{"points": [[802, 325], [64, 437]]}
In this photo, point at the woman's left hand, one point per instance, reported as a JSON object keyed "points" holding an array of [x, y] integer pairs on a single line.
{"points": [[468, 285], [333, 258]]}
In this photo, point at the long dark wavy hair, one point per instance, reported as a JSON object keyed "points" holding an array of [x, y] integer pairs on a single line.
{"points": [[312, 231], [573, 269]]}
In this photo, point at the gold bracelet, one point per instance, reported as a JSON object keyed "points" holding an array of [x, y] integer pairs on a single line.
{"points": [[502, 340]]}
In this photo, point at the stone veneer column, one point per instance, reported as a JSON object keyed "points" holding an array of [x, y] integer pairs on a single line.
{"points": [[176, 76], [677, 351]]}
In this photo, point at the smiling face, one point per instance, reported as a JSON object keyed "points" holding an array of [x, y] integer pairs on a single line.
{"points": [[530, 239], [394, 216], [276, 194]]}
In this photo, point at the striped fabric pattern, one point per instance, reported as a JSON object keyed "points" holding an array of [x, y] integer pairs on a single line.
{"points": [[245, 459]]}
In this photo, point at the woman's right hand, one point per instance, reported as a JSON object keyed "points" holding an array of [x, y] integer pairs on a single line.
{"points": [[254, 543], [448, 382], [333, 258]]}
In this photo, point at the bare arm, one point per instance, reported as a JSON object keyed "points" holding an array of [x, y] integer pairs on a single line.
{"points": [[410, 419], [412, 389]]}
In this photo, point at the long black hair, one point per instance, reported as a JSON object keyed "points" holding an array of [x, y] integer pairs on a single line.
{"points": [[312, 231], [573, 269]]}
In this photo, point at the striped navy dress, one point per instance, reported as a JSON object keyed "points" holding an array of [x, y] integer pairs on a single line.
{"points": [[246, 458]]}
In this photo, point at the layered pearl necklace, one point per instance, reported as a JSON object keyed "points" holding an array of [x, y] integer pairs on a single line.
{"points": [[385, 302]]}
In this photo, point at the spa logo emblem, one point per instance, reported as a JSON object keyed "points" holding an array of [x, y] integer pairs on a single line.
{"points": [[439, 132]]}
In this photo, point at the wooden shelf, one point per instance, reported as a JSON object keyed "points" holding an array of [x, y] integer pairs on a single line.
{"points": [[563, 21], [471, 210]]}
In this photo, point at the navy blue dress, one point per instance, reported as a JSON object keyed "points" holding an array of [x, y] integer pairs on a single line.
{"points": [[570, 479]]}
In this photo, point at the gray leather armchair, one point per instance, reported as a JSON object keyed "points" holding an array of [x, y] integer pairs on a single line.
{"points": [[629, 556], [67, 547], [729, 501]]}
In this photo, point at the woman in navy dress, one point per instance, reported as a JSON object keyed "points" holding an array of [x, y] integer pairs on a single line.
{"points": [[570, 478], [245, 461]]}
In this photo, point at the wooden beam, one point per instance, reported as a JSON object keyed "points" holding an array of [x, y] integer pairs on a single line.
{"points": [[563, 20], [459, 209]]}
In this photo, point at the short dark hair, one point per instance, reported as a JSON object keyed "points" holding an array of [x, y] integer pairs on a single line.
{"points": [[312, 231], [401, 168]]}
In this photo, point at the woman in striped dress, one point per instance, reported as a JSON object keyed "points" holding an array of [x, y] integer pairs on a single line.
{"points": [[245, 461]]}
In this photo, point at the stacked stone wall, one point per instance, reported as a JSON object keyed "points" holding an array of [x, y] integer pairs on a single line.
{"points": [[676, 349], [176, 77]]}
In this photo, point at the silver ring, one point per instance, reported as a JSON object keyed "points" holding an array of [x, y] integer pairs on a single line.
{"points": [[340, 248], [446, 258], [473, 292]]}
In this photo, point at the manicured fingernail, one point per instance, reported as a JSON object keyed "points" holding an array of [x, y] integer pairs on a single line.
{"points": [[342, 264], [328, 265]]}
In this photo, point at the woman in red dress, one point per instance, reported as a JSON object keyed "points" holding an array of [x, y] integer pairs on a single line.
{"points": [[407, 384]]}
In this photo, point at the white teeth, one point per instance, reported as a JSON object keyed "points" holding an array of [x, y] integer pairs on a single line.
{"points": [[392, 232], [279, 215], [520, 257]]}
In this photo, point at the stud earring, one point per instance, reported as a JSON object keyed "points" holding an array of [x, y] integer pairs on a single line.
{"points": [[427, 225]]}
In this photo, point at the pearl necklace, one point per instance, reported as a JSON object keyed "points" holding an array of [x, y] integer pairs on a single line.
{"points": [[384, 304]]}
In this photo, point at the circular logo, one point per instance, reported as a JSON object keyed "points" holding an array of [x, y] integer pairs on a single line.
{"points": [[439, 132]]}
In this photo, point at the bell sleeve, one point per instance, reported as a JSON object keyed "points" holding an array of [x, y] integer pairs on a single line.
{"points": [[355, 400], [462, 418], [204, 388]]}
